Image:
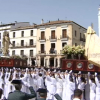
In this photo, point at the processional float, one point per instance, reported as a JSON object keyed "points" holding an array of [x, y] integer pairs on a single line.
{"points": [[90, 61]]}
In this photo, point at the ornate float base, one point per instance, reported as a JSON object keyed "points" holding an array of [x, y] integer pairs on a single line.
{"points": [[7, 62], [79, 65]]}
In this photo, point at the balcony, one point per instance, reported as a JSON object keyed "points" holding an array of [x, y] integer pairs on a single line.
{"points": [[23, 46], [42, 52], [64, 38], [52, 51], [43, 39], [52, 39], [81, 39]]}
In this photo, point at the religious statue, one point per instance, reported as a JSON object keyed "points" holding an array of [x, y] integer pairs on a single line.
{"points": [[6, 42]]}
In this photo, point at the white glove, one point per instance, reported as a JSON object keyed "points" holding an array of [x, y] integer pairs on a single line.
{"points": [[79, 72], [70, 72], [95, 74], [26, 84]]}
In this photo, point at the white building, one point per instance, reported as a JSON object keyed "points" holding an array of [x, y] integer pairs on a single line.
{"points": [[99, 21], [24, 42], [10, 26]]}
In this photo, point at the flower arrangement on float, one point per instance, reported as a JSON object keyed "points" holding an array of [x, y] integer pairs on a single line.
{"points": [[73, 51]]}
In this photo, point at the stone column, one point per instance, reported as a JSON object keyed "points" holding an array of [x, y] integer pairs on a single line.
{"points": [[38, 61], [58, 62], [48, 62], [44, 62], [54, 62], [28, 61]]}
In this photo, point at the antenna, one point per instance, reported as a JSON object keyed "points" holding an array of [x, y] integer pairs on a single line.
{"points": [[92, 25]]}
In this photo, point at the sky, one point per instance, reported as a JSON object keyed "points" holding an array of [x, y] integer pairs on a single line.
{"points": [[83, 12]]}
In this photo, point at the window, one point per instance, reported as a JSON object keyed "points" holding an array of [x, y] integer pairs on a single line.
{"points": [[22, 52], [22, 42], [31, 41], [64, 33], [13, 52], [22, 34], [42, 35], [75, 44], [42, 48], [52, 45], [13, 34], [31, 33], [0, 35], [75, 33], [53, 34], [13, 42], [31, 52], [63, 44]]}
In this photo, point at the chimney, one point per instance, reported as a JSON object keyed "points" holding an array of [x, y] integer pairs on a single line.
{"points": [[42, 21]]}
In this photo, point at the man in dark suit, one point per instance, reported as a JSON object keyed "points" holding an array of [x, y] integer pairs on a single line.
{"points": [[18, 95], [43, 94]]}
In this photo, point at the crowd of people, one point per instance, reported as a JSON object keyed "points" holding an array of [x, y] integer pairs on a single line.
{"points": [[63, 83]]}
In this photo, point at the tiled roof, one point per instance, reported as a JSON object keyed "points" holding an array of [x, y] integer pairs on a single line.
{"points": [[48, 23]]}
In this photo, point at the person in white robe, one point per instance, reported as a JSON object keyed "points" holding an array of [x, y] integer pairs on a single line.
{"points": [[92, 88], [40, 81], [59, 86], [70, 86], [97, 87]]}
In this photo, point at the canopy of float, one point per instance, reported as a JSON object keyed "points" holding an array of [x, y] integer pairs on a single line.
{"points": [[92, 47]]}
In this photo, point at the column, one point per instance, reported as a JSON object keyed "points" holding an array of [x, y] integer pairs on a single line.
{"points": [[44, 62], [58, 62], [48, 63], [39, 62], [28, 61], [54, 62]]}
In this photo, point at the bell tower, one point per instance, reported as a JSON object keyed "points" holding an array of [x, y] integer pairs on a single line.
{"points": [[99, 21]]}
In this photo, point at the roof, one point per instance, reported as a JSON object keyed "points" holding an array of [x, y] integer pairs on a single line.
{"points": [[22, 28], [59, 22], [48, 23], [2, 25]]}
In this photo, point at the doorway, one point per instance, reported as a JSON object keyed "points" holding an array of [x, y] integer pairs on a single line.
{"points": [[51, 62], [42, 61]]}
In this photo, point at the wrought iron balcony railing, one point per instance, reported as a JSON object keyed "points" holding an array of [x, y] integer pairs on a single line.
{"points": [[23, 46]]}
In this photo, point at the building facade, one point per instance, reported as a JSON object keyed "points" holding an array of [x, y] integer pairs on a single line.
{"points": [[99, 21], [23, 41], [8, 27], [53, 36]]}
